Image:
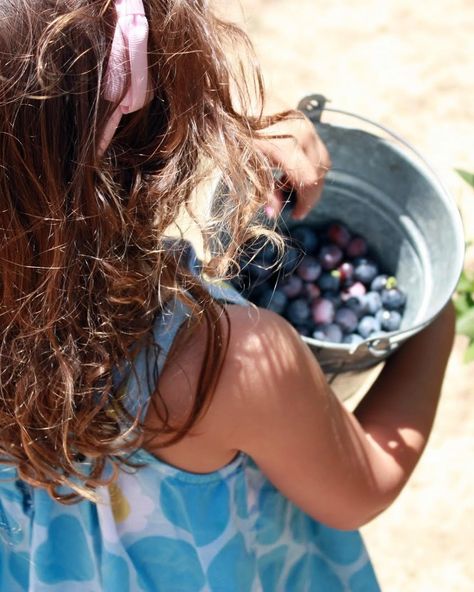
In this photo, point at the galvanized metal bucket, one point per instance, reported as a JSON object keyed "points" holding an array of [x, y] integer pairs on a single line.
{"points": [[383, 189]]}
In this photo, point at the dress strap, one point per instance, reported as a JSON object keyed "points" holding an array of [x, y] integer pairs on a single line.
{"points": [[143, 374], [149, 362]]}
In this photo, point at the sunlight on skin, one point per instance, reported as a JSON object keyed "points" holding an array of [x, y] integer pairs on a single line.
{"points": [[273, 403]]}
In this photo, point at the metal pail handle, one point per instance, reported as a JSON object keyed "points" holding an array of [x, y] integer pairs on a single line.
{"points": [[314, 105]]}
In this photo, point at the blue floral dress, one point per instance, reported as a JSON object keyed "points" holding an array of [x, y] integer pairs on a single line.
{"points": [[159, 528]]}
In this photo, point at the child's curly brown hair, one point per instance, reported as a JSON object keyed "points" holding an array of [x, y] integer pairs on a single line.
{"points": [[84, 266]]}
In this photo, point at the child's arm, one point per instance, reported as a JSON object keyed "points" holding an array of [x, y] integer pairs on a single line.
{"points": [[274, 403], [397, 413]]}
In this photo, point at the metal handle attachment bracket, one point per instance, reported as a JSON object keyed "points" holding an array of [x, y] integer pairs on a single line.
{"points": [[313, 106]]}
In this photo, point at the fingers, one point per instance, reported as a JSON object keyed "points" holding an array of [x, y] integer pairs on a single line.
{"points": [[309, 187], [297, 173], [303, 160]]}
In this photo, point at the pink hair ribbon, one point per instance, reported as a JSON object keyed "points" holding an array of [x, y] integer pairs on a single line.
{"points": [[128, 61]]}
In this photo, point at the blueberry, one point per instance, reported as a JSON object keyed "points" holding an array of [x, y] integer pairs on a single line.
{"points": [[275, 300], [298, 311], [267, 255], [291, 285], [393, 299], [390, 320], [330, 257], [378, 283], [260, 253], [356, 289], [309, 269], [323, 311], [257, 273], [357, 247], [330, 281], [290, 259], [321, 293], [352, 339], [379, 315], [334, 297], [339, 235], [320, 334], [368, 325], [255, 292], [360, 261], [304, 330], [356, 304], [310, 291], [306, 237], [365, 272], [346, 270], [346, 319], [372, 302], [333, 333]]}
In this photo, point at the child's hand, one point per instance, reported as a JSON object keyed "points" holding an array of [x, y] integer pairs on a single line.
{"points": [[295, 148]]}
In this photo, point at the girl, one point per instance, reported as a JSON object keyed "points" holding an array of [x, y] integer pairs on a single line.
{"points": [[156, 433]]}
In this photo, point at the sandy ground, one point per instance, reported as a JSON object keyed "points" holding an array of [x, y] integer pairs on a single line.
{"points": [[410, 66]]}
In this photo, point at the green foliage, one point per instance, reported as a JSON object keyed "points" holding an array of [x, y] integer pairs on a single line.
{"points": [[464, 300], [468, 177], [464, 304]]}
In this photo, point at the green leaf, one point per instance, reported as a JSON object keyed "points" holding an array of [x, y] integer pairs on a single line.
{"points": [[469, 353], [465, 324], [462, 303], [468, 177], [465, 284]]}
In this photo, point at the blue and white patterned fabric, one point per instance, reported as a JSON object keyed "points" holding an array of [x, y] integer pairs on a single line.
{"points": [[162, 529]]}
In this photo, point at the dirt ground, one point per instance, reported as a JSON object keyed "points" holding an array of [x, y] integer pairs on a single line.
{"points": [[410, 66]]}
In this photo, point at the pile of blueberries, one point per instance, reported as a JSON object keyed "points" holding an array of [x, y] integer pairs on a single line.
{"points": [[327, 285]]}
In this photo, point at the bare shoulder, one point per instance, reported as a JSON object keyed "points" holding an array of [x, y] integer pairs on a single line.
{"points": [[267, 363], [262, 347], [269, 373], [273, 403]]}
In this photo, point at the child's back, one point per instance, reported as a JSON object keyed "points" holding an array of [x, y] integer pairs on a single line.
{"points": [[221, 525], [197, 434]]}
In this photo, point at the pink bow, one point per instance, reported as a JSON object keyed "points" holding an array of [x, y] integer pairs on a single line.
{"points": [[128, 58]]}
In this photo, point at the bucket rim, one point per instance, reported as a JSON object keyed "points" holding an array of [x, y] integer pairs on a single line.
{"points": [[314, 106]]}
